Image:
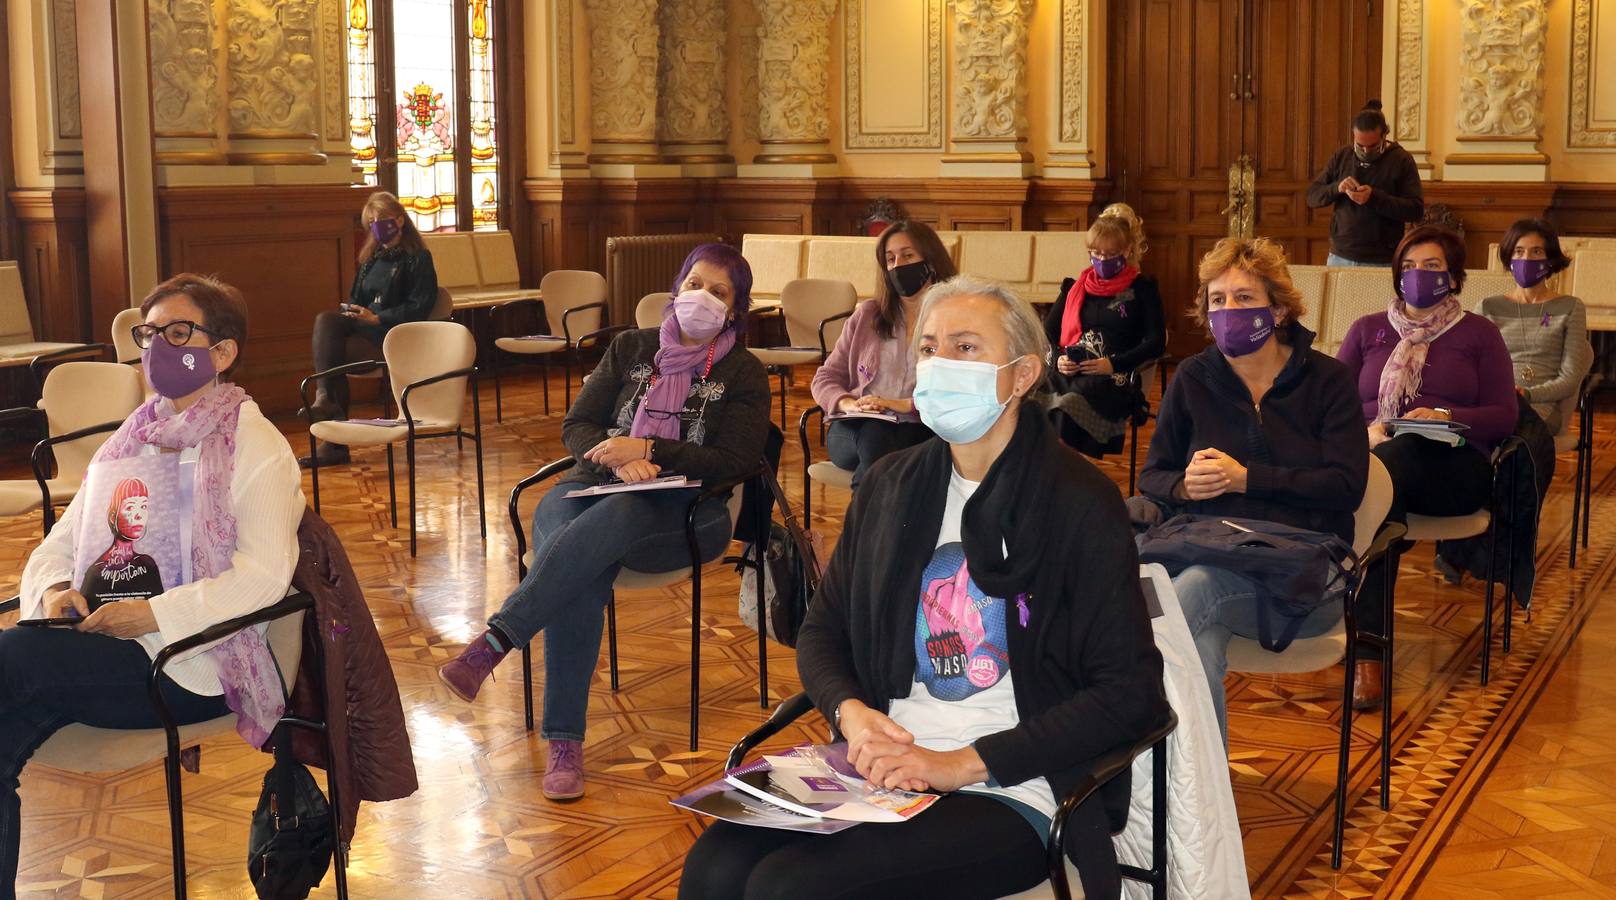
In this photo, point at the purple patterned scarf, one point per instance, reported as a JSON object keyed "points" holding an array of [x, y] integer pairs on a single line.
{"points": [[247, 671], [1400, 379], [676, 366]]}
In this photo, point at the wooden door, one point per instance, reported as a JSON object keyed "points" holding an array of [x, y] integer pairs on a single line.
{"points": [[1202, 86]]}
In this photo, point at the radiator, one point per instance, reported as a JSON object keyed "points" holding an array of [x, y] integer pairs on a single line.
{"points": [[644, 264]]}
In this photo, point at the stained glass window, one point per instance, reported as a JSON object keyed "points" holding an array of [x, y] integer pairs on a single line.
{"points": [[440, 154]]}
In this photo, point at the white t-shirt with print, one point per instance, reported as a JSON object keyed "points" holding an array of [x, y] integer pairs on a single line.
{"points": [[963, 688]]}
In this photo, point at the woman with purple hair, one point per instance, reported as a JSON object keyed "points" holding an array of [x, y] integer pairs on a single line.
{"points": [[683, 399]]}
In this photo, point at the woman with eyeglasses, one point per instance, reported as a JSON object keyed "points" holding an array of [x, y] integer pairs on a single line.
{"points": [[684, 399], [1106, 324], [238, 531], [396, 283]]}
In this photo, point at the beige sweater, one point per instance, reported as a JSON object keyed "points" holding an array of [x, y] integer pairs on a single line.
{"points": [[267, 490]]}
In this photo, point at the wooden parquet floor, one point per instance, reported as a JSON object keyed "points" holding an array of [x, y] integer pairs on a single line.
{"points": [[1508, 790]]}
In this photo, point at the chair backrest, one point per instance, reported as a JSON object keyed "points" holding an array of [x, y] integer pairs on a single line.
{"points": [[123, 341], [1310, 282], [1354, 293], [565, 288], [15, 326], [1372, 509], [648, 312], [81, 394], [1057, 255], [806, 302], [1480, 285], [841, 260], [416, 351], [455, 261], [1000, 255], [443, 308], [776, 259], [1593, 278], [496, 260], [285, 640]]}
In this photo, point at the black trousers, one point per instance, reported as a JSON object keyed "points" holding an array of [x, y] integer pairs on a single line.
{"points": [[965, 845], [1428, 479], [53, 677], [337, 340], [857, 443]]}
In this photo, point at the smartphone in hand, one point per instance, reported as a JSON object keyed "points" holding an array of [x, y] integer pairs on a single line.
{"points": [[59, 622]]}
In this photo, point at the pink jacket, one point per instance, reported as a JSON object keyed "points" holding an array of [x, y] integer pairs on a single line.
{"points": [[855, 363]]}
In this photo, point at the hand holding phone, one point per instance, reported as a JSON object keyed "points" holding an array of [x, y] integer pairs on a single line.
{"points": [[58, 622]]}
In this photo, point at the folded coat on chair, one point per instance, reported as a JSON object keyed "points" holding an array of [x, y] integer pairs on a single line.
{"points": [[361, 705]]}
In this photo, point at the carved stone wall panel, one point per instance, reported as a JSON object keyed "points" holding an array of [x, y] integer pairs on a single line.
{"points": [[990, 68], [691, 89], [1586, 129], [856, 38], [184, 76], [1073, 60], [1501, 67], [1408, 123], [273, 84], [794, 70], [333, 73], [561, 46], [746, 50], [623, 40], [65, 70]]}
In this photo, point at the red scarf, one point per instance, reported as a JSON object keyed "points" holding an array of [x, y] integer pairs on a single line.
{"points": [[1087, 285]]}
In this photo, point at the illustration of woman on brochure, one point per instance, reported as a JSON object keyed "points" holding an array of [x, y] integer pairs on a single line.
{"points": [[122, 573]]}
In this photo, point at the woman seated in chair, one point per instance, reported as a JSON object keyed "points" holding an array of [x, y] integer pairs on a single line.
{"points": [[962, 645], [871, 370], [1106, 325], [1546, 331], [246, 501], [1257, 426], [395, 283], [1426, 358], [685, 399]]}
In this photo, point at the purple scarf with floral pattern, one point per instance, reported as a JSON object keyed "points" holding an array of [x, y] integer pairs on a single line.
{"points": [[247, 671], [1400, 379]]}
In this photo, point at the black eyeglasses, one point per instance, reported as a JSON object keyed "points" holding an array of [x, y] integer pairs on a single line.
{"points": [[177, 333], [680, 414]]}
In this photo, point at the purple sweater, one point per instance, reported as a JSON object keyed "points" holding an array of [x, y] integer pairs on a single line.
{"points": [[1467, 371], [863, 362]]}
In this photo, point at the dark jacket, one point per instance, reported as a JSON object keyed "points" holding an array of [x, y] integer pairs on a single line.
{"points": [[1087, 675], [1305, 449], [1369, 233], [361, 705], [724, 423], [1131, 322], [397, 286]]}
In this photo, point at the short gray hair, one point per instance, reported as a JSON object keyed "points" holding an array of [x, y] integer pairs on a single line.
{"points": [[1020, 321]]}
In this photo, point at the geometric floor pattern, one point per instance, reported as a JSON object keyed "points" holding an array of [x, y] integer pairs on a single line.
{"points": [[1504, 791]]}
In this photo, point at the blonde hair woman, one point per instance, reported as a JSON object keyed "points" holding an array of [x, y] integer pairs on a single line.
{"points": [[1107, 323], [395, 283]]}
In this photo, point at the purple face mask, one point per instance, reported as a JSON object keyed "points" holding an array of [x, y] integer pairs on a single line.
{"points": [[700, 314], [385, 230], [176, 372], [1425, 288], [1110, 267], [1529, 272], [1241, 331]]}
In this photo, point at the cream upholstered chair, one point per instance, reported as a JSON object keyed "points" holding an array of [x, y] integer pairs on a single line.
{"points": [[630, 580], [575, 312], [1353, 293], [1479, 285], [443, 307], [17, 344], [825, 472], [83, 403], [1582, 443], [814, 310], [1371, 541], [124, 348], [648, 313], [1310, 282], [83, 749], [429, 365]]}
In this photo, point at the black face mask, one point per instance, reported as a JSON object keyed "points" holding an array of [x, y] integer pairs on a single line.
{"points": [[907, 280]]}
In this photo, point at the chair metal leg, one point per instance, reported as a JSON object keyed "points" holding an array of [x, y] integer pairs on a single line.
{"points": [[1576, 496], [392, 487], [527, 685], [409, 454], [761, 546], [782, 398], [1487, 611], [1133, 458], [1387, 661], [611, 639], [546, 360], [566, 385], [314, 471], [176, 814], [1588, 483], [695, 651], [1509, 567], [499, 394], [477, 429], [1344, 748]]}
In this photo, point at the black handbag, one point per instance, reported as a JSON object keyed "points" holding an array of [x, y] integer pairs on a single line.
{"points": [[791, 575], [1295, 569], [293, 833]]}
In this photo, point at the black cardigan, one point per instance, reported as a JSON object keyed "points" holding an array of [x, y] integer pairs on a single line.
{"points": [[397, 286], [1087, 675], [724, 423], [1131, 322], [1369, 233], [1306, 451]]}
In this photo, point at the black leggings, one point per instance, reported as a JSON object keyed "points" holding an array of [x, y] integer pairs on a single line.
{"points": [[1428, 479], [338, 340], [856, 444], [965, 845]]}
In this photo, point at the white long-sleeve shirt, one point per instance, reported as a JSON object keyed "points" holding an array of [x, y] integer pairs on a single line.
{"points": [[266, 489]]}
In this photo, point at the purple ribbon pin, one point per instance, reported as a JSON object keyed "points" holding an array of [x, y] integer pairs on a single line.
{"points": [[1022, 613], [1545, 322]]}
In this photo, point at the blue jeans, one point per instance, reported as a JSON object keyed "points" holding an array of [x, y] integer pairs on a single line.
{"points": [[48, 683], [1343, 262], [1219, 604], [856, 444], [578, 547]]}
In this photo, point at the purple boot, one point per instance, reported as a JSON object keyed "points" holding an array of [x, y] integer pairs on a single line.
{"points": [[564, 775], [464, 675]]}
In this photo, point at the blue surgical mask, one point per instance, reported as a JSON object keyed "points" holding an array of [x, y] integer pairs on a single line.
{"points": [[958, 399]]}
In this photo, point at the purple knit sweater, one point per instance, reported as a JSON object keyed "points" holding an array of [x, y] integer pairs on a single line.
{"points": [[1467, 371]]}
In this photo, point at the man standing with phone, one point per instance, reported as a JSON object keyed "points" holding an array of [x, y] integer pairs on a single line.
{"points": [[1374, 186]]}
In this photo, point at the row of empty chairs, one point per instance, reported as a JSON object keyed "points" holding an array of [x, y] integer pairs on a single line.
{"points": [[479, 268]]}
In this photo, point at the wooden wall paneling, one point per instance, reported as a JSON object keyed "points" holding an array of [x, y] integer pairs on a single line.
{"points": [[8, 168], [296, 260], [1059, 204], [1486, 209], [561, 215], [51, 246], [510, 87], [1584, 209], [775, 206]]}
